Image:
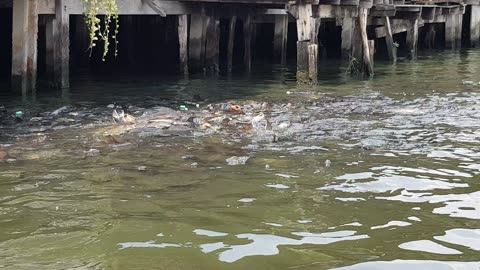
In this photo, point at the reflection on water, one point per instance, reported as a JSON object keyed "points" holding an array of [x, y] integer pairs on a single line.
{"points": [[379, 174]]}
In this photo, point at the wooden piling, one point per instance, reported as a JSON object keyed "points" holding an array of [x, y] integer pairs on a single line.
{"points": [[450, 27], [391, 47], [24, 45], [475, 26], [412, 38], [312, 62], [183, 43], [347, 36], [196, 42], [280, 38], [371, 50], [62, 44], [50, 34], [231, 42], [430, 36], [247, 34], [367, 62], [307, 47], [458, 31]]}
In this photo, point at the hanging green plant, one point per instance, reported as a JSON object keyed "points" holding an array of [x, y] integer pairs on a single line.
{"points": [[92, 9]]}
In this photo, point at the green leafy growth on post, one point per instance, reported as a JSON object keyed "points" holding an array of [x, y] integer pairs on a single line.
{"points": [[92, 9]]}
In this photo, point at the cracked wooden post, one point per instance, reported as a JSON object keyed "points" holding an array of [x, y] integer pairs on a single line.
{"points": [[247, 34], [62, 44], [391, 47], [362, 23], [412, 38], [475, 26], [231, 42], [348, 25], [280, 39], [183, 43], [307, 47], [24, 45]]}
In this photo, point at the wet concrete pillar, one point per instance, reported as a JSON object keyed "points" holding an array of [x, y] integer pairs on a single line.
{"points": [[475, 26], [280, 39], [347, 36], [62, 44], [24, 45]]}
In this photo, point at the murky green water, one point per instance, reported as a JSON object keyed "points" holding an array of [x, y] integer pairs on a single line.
{"points": [[379, 174]]}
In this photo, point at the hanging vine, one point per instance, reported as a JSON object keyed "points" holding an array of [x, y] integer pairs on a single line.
{"points": [[98, 33]]}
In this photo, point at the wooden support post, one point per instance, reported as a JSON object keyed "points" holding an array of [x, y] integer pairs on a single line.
{"points": [[430, 36], [231, 42], [475, 26], [24, 45], [458, 31], [247, 33], [62, 44], [412, 38], [450, 22], [362, 19], [347, 36], [371, 48], [307, 47], [280, 38], [313, 62], [183, 43], [50, 34], [391, 47], [197, 41], [81, 41]]}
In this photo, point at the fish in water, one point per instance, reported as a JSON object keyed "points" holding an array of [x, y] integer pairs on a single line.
{"points": [[120, 117]]}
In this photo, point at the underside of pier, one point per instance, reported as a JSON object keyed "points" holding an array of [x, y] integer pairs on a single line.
{"points": [[46, 40]]}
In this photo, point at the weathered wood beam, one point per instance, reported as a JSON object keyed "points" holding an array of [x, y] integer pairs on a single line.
{"points": [[391, 47], [24, 45], [62, 44], [231, 42], [196, 41], [183, 43], [367, 61], [412, 38], [475, 26], [280, 38], [347, 36], [247, 34], [50, 35]]}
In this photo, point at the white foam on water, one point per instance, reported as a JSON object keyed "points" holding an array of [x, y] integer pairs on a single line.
{"points": [[429, 246], [209, 233]]}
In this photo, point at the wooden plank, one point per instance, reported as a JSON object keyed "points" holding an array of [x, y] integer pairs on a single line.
{"points": [[391, 47], [50, 34], [475, 26], [231, 42], [327, 11], [183, 43], [32, 45], [302, 62]]}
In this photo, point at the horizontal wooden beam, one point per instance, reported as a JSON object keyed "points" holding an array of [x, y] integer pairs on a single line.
{"points": [[398, 26]]}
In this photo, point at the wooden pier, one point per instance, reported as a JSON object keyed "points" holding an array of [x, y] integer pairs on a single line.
{"points": [[365, 26]]}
